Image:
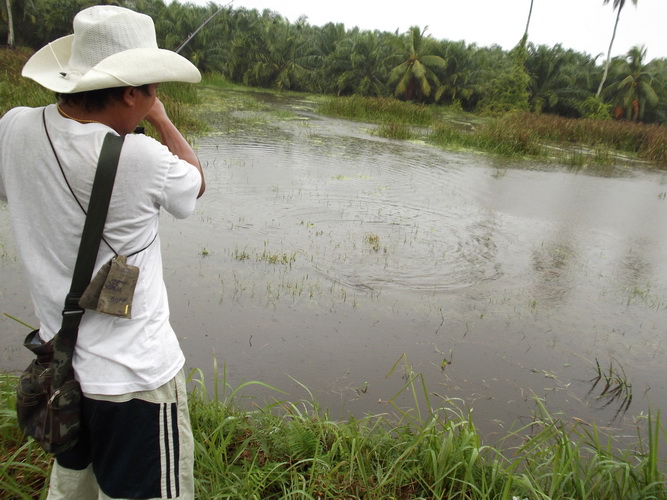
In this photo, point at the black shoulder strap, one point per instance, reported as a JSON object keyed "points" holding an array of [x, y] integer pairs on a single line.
{"points": [[97, 213], [98, 206]]}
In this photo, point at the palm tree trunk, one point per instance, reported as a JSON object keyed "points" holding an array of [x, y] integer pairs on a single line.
{"points": [[10, 24], [530, 13], [611, 44]]}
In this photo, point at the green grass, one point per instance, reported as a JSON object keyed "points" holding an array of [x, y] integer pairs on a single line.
{"points": [[382, 110], [16, 90], [293, 449], [24, 467], [217, 80], [395, 131]]}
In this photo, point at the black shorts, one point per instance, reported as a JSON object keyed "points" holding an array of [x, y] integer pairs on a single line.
{"points": [[134, 446]]}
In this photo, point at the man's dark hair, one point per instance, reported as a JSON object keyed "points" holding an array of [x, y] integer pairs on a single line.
{"points": [[95, 100]]}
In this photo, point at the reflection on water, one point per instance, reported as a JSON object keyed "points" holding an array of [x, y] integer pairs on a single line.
{"points": [[323, 254]]}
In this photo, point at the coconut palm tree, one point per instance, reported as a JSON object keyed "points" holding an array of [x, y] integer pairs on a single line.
{"points": [[618, 7], [415, 73], [554, 78], [530, 14], [632, 88], [461, 80], [324, 59], [283, 61], [361, 58], [7, 14]]}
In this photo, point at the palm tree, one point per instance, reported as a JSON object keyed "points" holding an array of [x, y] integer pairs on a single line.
{"points": [[618, 6], [530, 14], [283, 60], [361, 58], [553, 75], [632, 89], [323, 56], [416, 71], [10, 23], [461, 79]]}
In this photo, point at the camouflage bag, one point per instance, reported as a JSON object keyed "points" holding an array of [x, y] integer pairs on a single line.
{"points": [[49, 412]]}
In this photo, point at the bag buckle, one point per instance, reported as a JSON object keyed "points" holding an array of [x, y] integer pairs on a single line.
{"points": [[72, 304]]}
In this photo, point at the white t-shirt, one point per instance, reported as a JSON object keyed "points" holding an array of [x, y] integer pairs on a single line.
{"points": [[113, 355]]}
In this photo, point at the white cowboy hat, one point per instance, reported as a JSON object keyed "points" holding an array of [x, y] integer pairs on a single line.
{"points": [[111, 47]]}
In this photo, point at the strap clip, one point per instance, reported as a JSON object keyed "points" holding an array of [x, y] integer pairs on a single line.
{"points": [[72, 305]]}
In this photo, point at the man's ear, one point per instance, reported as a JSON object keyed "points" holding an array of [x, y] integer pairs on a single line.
{"points": [[129, 96]]}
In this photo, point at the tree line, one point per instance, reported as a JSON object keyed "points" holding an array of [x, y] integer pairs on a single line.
{"points": [[264, 49]]}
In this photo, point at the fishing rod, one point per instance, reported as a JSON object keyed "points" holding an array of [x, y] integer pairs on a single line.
{"points": [[191, 35]]}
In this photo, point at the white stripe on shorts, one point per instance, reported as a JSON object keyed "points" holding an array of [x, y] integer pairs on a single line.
{"points": [[168, 457]]}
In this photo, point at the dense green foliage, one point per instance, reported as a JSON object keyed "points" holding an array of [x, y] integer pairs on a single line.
{"points": [[266, 50]]}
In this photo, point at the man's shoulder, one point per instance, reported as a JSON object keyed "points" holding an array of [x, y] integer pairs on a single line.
{"points": [[145, 145], [20, 111], [16, 126]]}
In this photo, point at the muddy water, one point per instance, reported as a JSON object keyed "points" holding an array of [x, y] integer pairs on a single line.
{"points": [[321, 256]]}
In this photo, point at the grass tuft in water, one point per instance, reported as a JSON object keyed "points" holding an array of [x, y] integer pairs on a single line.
{"points": [[613, 387], [373, 241], [377, 110], [394, 131]]}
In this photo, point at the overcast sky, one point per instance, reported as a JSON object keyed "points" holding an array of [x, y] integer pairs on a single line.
{"points": [[583, 25]]}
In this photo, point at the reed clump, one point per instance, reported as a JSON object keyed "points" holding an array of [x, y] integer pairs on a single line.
{"points": [[395, 130], [383, 110], [649, 142]]}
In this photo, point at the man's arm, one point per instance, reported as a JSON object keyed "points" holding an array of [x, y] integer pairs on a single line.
{"points": [[172, 138]]}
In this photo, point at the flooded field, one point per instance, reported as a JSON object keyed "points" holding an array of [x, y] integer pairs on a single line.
{"points": [[322, 255]]}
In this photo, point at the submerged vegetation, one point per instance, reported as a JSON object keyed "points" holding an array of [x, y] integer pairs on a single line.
{"points": [[295, 450]]}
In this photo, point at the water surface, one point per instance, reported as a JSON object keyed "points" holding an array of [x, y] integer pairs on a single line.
{"points": [[321, 255]]}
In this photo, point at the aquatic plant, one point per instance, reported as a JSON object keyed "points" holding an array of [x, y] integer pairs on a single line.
{"points": [[649, 142], [374, 241], [394, 131], [615, 386]]}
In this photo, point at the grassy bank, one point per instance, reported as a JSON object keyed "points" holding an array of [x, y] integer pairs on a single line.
{"points": [[294, 450], [514, 135]]}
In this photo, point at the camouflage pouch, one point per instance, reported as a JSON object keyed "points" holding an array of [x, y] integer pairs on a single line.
{"points": [[112, 289], [51, 417]]}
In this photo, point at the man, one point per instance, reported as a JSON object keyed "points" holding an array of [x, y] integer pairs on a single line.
{"points": [[137, 440]]}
